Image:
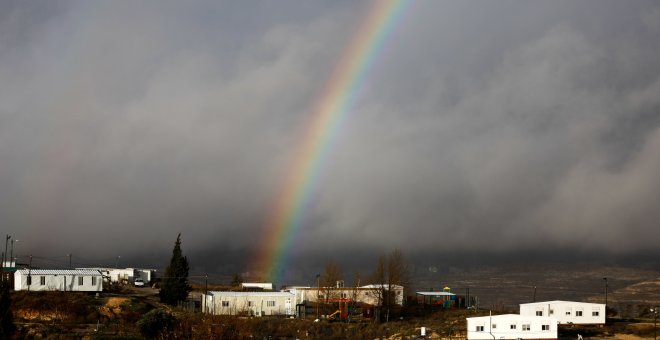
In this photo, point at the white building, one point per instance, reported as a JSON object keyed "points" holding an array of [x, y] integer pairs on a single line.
{"points": [[369, 294], [147, 275], [125, 275], [511, 326], [567, 312], [58, 280], [249, 303]]}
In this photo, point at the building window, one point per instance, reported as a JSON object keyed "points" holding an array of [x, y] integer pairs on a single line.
{"points": [[270, 303], [595, 313], [539, 313], [512, 326], [250, 303], [545, 327], [494, 326], [480, 328], [29, 280], [225, 303], [80, 280], [578, 313], [568, 312], [42, 280], [525, 327], [93, 280], [552, 311]]}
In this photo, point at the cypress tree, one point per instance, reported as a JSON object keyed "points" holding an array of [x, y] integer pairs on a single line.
{"points": [[175, 287]]}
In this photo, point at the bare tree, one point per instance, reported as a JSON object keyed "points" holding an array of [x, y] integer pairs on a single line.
{"points": [[329, 280], [391, 273]]}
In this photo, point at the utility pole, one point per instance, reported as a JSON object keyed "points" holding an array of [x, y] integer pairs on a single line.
{"points": [[11, 257], [318, 290], [605, 279], [30, 273], [654, 310], [4, 256], [534, 299]]}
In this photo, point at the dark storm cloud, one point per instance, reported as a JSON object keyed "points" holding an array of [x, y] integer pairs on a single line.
{"points": [[501, 126]]}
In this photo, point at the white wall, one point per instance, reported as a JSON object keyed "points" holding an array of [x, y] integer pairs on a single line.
{"points": [[126, 275], [145, 274], [364, 294], [276, 303], [511, 326], [567, 312]]}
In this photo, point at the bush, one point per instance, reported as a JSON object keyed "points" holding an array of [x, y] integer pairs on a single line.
{"points": [[155, 322]]}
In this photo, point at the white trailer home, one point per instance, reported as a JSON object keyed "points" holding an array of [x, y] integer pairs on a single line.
{"points": [[511, 326], [567, 312], [249, 303], [58, 280]]}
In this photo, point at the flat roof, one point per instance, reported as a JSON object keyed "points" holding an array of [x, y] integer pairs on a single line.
{"points": [[435, 293], [245, 294], [559, 301], [58, 272]]}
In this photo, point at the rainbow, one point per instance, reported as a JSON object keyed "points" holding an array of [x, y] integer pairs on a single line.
{"points": [[328, 113]]}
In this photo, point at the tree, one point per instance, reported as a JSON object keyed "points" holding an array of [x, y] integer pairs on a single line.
{"points": [[7, 327], [391, 271], [175, 285], [237, 280], [329, 280]]}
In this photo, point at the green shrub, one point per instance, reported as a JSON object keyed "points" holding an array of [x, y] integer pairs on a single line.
{"points": [[155, 322]]}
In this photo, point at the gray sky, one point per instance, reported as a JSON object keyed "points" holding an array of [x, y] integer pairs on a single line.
{"points": [[503, 126]]}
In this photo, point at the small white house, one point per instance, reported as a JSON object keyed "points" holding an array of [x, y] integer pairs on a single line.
{"points": [[249, 303], [567, 312], [511, 326], [58, 280]]}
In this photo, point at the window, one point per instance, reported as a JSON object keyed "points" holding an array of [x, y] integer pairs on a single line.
{"points": [[225, 303], [594, 313], [578, 313], [513, 326], [80, 281], [494, 326], [93, 280], [480, 328], [545, 327], [552, 311], [568, 312], [539, 313], [42, 280], [29, 280], [526, 327], [270, 303], [250, 303]]}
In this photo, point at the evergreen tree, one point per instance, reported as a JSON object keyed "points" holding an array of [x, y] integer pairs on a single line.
{"points": [[175, 287], [7, 326]]}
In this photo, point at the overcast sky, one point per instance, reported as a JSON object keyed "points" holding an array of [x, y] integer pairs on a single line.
{"points": [[503, 126]]}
